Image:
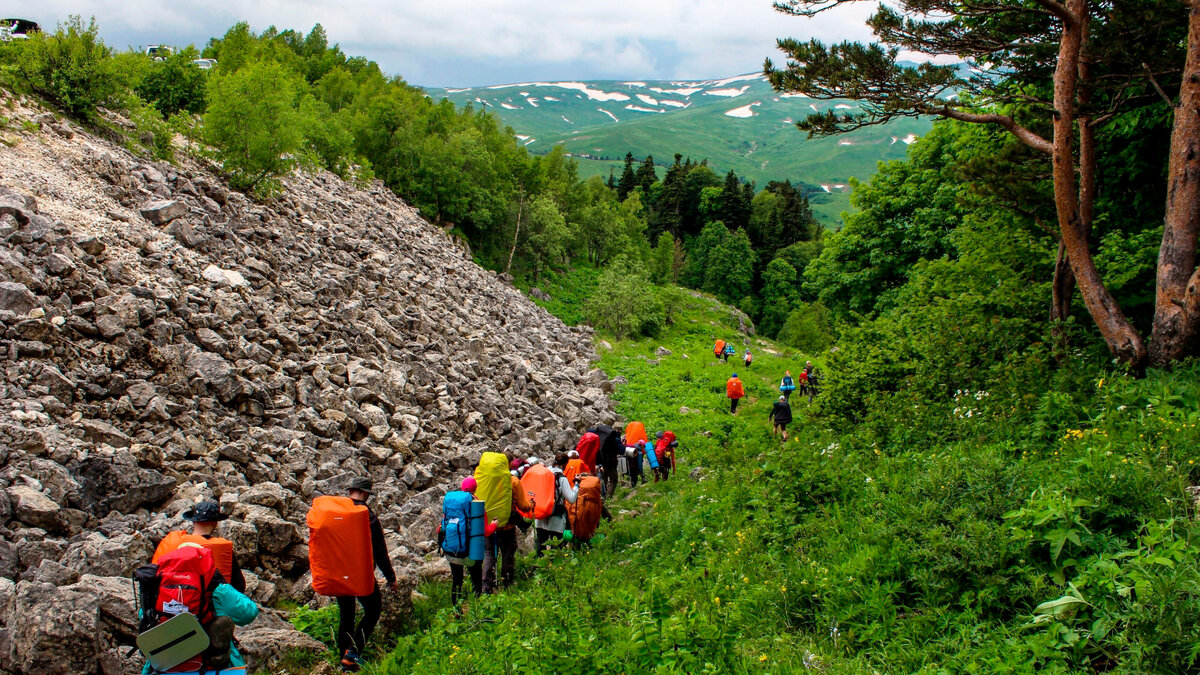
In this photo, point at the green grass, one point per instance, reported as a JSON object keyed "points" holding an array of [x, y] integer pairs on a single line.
{"points": [[567, 291]]}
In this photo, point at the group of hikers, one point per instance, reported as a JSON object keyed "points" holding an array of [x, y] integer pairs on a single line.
{"points": [[781, 411], [192, 594]]}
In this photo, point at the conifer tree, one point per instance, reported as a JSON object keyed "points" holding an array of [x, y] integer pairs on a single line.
{"points": [[628, 179]]}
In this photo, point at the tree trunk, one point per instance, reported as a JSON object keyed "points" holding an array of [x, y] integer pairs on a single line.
{"points": [[1061, 291], [1177, 301], [1123, 341], [517, 233]]}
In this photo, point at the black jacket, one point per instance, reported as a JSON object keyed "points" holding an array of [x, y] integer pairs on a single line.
{"points": [[781, 412], [379, 546]]}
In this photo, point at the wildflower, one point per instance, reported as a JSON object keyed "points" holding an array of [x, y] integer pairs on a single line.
{"points": [[717, 599], [745, 580], [762, 658]]}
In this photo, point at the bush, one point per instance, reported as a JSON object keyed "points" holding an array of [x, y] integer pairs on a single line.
{"points": [[71, 68], [175, 85], [625, 303], [253, 123], [154, 135], [808, 328]]}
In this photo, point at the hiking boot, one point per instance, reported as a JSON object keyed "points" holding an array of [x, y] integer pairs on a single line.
{"points": [[351, 661]]}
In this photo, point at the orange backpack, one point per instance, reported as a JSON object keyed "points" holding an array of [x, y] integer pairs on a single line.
{"points": [[585, 513], [719, 347], [733, 388], [222, 550], [538, 482], [634, 432], [574, 468], [339, 547]]}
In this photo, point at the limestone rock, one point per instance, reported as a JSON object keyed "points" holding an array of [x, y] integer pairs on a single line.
{"points": [[163, 211]]}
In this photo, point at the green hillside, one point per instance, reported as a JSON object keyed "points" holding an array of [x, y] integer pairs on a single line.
{"points": [[738, 123]]}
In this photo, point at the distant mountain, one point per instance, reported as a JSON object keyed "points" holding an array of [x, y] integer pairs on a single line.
{"points": [[738, 123]]}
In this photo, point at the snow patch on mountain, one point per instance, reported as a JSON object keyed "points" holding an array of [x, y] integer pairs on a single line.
{"points": [[744, 111], [639, 108], [674, 104], [648, 100], [684, 91], [728, 92], [614, 117]]}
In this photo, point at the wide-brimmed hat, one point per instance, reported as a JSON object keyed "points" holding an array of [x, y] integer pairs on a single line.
{"points": [[361, 483], [205, 512]]}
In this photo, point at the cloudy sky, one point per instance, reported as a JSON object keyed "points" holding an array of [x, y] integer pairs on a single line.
{"points": [[478, 42]]}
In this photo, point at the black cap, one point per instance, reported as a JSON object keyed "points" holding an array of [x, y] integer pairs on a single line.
{"points": [[205, 512], [361, 483]]}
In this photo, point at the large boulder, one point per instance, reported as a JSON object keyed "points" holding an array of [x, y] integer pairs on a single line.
{"points": [[66, 629], [32, 507]]}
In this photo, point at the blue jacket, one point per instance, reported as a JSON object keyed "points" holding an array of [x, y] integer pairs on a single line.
{"points": [[227, 601]]}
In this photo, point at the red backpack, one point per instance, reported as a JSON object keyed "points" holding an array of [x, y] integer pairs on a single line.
{"points": [[182, 581]]}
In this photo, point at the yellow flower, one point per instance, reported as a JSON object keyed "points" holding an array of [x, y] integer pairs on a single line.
{"points": [[717, 599], [745, 580], [762, 658]]}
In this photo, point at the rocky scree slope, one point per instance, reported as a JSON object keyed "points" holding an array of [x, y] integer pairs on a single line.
{"points": [[165, 339]]}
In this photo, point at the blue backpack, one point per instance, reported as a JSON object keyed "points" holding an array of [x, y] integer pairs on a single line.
{"points": [[456, 524]]}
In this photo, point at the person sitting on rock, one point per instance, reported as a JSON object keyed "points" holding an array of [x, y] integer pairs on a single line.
{"points": [[351, 639], [204, 518]]}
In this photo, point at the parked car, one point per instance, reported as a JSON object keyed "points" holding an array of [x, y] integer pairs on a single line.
{"points": [[17, 29], [158, 52], [205, 64]]}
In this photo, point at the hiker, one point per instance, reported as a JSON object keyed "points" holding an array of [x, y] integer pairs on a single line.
{"points": [[352, 639], [814, 385], [719, 348], [460, 559], [735, 392], [728, 352], [781, 417], [553, 526], [787, 385], [748, 358], [205, 517], [803, 382], [575, 466], [664, 450], [164, 594], [501, 539], [611, 447], [585, 514], [634, 457]]}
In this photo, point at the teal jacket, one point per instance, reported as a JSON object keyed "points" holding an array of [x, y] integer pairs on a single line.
{"points": [[227, 601]]}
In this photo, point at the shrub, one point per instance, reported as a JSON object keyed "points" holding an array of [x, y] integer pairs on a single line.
{"points": [[808, 328], [253, 123], [154, 135], [625, 303], [71, 68], [175, 84]]}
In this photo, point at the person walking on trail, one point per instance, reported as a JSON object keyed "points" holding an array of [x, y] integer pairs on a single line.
{"points": [[611, 447], [814, 385], [787, 385], [460, 566], [218, 606], [205, 517], [501, 541], [735, 392], [351, 638], [719, 348], [781, 417], [634, 461], [728, 352], [664, 449], [748, 358], [553, 526]]}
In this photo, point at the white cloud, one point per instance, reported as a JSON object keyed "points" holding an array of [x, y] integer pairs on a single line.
{"points": [[476, 42]]}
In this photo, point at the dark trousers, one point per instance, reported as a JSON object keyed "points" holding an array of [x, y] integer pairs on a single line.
{"points": [[608, 481], [456, 580], [635, 472], [787, 395], [502, 543], [543, 536], [349, 635], [733, 404]]}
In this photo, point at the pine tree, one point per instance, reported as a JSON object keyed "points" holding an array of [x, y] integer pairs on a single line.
{"points": [[646, 174], [612, 179], [628, 179], [735, 209]]}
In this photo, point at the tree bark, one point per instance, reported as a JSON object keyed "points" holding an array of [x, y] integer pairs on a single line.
{"points": [[1061, 291], [1176, 332], [517, 233], [1123, 341]]}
